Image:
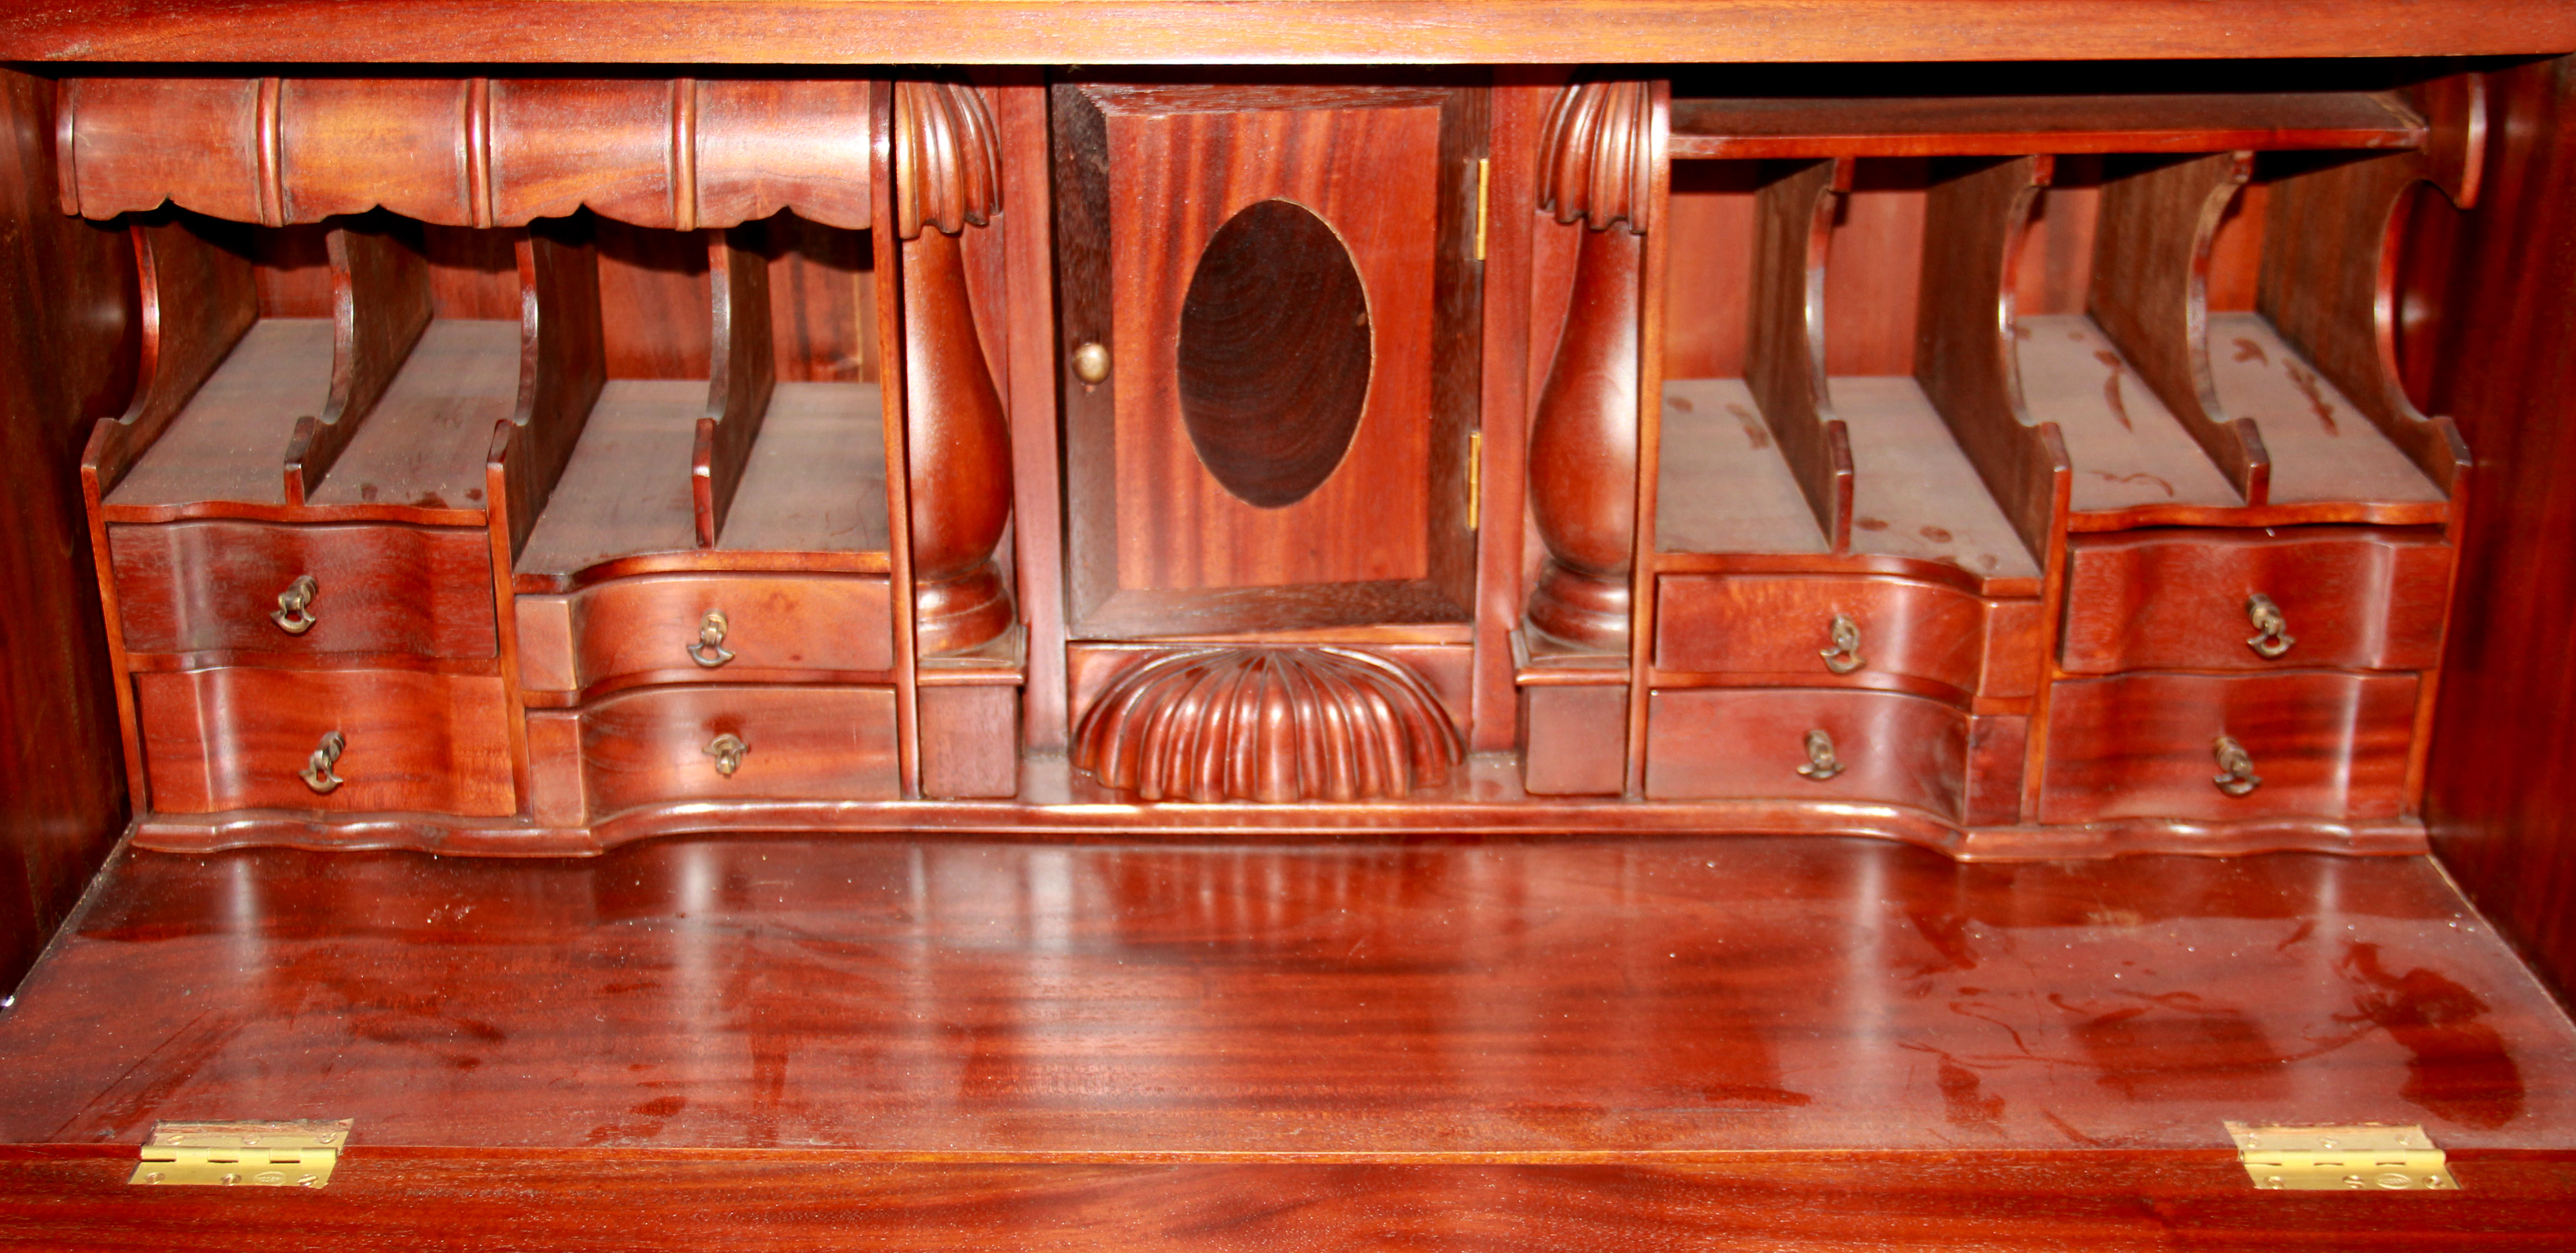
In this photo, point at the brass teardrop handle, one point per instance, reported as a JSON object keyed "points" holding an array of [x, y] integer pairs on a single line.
{"points": [[709, 650], [1844, 657], [2236, 775], [1821, 762], [294, 613], [317, 768], [2271, 628], [728, 750], [1091, 363]]}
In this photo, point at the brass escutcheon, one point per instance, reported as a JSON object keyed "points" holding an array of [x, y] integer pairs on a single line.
{"points": [[317, 768], [1821, 762], [728, 750], [1844, 657], [2236, 775], [709, 650], [294, 613], [2271, 636]]}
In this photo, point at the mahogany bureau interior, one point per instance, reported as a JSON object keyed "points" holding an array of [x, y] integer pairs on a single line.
{"points": [[1128, 653]]}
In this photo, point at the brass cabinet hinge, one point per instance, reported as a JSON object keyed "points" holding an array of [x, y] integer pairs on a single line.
{"points": [[1475, 479], [246, 1154], [2361, 1157], [1484, 197]]}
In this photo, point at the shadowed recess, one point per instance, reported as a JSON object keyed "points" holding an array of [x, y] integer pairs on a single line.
{"points": [[1274, 354]]}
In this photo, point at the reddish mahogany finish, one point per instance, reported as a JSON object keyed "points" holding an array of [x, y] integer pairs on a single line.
{"points": [[2363, 598], [2322, 745], [795, 743], [240, 738], [652, 629], [1782, 625], [213, 587], [1878, 746]]}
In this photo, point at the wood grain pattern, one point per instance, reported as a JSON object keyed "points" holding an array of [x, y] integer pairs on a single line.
{"points": [[2324, 744], [1574, 738], [1784, 355], [210, 588], [129, 144], [379, 306], [970, 741], [2150, 293], [562, 368], [960, 470], [794, 628], [742, 374], [69, 334], [1299, 31], [2354, 597], [236, 738], [1893, 749], [197, 301], [1780, 626], [804, 743], [2011, 126], [1273, 354]]}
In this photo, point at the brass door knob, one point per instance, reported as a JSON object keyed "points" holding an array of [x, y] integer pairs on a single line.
{"points": [[1091, 363], [2271, 636]]}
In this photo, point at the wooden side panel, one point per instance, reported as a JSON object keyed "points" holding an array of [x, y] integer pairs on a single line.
{"points": [[970, 742], [1724, 743], [239, 738], [2357, 597], [68, 342], [2322, 744], [798, 743], [191, 587], [1784, 355], [1574, 740]]}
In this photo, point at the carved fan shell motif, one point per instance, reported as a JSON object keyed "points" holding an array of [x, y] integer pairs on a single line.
{"points": [[1267, 724]]}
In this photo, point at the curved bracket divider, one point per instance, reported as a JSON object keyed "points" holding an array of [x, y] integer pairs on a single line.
{"points": [[199, 298], [562, 366], [1784, 359], [2151, 296], [380, 304], [742, 373], [1975, 218]]}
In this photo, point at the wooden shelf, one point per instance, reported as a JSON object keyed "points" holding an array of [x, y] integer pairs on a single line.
{"points": [[2323, 447], [816, 481], [425, 442], [228, 442], [1727, 490], [1905, 126]]}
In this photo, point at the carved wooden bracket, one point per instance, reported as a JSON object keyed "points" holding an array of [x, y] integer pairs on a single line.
{"points": [[1597, 155], [1274, 725], [948, 177]]}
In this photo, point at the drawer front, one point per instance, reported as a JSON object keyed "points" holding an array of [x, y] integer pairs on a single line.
{"points": [[1730, 743], [2324, 745], [657, 629], [2365, 598], [186, 587], [239, 738], [798, 743], [1784, 625]]}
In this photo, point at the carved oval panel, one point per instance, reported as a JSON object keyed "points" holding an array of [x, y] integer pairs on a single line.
{"points": [[1274, 354]]}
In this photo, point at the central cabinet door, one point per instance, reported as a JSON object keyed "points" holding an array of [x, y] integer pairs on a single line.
{"points": [[1269, 320]]}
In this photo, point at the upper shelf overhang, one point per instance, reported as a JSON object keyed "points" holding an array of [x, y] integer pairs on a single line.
{"points": [[1898, 126], [1139, 32]]}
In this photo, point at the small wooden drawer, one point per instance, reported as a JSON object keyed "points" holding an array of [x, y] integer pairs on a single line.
{"points": [[2323, 745], [1728, 743], [786, 743], [2364, 598], [1786, 625], [707, 628], [192, 587], [238, 737]]}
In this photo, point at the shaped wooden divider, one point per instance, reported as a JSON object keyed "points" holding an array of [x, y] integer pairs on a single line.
{"points": [[1784, 360]]}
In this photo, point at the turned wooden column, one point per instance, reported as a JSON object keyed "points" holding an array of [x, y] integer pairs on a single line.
{"points": [[947, 179], [1583, 441]]}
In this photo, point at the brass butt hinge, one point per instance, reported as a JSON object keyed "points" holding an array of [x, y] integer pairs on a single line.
{"points": [[2361, 1157], [1484, 181], [1475, 479], [243, 1154]]}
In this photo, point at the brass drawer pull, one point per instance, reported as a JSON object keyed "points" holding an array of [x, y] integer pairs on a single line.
{"points": [[294, 613], [728, 750], [2271, 636], [1844, 657], [1091, 363], [317, 768], [1821, 762], [709, 651], [2236, 775]]}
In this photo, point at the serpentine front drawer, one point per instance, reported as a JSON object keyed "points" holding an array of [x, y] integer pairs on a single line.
{"points": [[2301, 744], [339, 741], [258, 587], [2350, 597]]}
